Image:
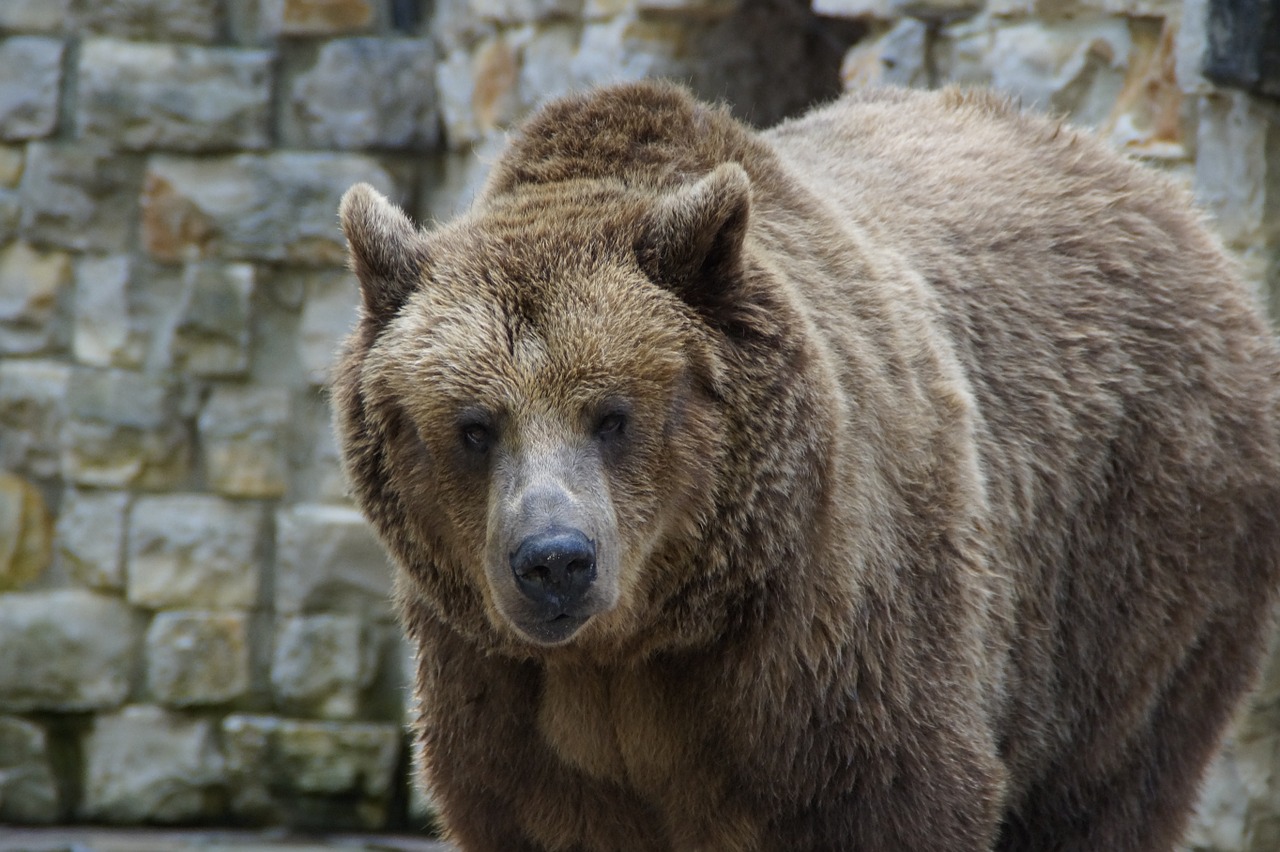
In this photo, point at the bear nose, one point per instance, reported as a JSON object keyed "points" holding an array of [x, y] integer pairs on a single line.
{"points": [[555, 568]]}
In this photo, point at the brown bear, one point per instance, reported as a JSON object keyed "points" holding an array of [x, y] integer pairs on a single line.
{"points": [[905, 477]]}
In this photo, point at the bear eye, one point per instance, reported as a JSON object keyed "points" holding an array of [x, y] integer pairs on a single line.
{"points": [[612, 425], [476, 436]]}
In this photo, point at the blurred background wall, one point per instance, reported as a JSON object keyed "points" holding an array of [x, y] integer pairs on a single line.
{"points": [[194, 621]]}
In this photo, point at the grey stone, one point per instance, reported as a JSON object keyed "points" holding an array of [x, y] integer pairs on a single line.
{"points": [[212, 333], [32, 284], [26, 532], [110, 328], [28, 789], [328, 560], [89, 537], [321, 664], [244, 432], [273, 207], [368, 93], [65, 650], [43, 16], [270, 758], [144, 764], [328, 314], [194, 551], [32, 411], [29, 87], [519, 11], [149, 20], [124, 429], [196, 658], [1238, 167], [898, 57], [543, 72], [314, 17], [80, 195], [177, 98], [479, 90]]}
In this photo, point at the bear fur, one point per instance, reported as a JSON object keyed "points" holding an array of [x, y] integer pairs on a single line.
{"points": [[925, 457]]}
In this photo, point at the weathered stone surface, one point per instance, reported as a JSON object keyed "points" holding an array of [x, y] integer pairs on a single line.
{"points": [[367, 93], [32, 282], [29, 86], [328, 560], [211, 337], [898, 57], [33, 16], [28, 789], [198, 658], [65, 650], [81, 196], [12, 158], [89, 537], [478, 91], [630, 48], [161, 96], [270, 758], [321, 664], [1073, 67], [543, 72], [32, 410], [110, 327], [882, 9], [124, 429], [26, 532], [149, 20], [194, 551], [146, 765], [314, 17], [327, 315], [244, 431], [1238, 167], [273, 207]]}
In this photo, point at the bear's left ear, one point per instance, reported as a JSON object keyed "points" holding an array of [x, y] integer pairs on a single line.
{"points": [[385, 250], [692, 243]]}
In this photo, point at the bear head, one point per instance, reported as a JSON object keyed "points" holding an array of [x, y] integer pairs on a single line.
{"points": [[530, 407]]}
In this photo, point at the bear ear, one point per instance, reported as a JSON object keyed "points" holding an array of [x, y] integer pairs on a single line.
{"points": [[692, 243], [385, 250]]}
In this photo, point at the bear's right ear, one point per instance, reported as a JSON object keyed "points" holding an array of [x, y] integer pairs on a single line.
{"points": [[385, 250]]}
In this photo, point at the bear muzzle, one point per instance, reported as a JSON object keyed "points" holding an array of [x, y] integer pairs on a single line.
{"points": [[555, 569]]}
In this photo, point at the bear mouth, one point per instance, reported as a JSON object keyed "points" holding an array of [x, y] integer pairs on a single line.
{"points": [[555, 630]]}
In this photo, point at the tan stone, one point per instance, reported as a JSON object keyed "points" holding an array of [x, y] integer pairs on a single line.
{"points": [[497, 73], [26, 532], [11, 162], [31, 282], [315, 17]]}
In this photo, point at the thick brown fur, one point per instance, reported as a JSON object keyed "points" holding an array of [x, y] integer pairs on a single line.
{"points": [[944, 516]]}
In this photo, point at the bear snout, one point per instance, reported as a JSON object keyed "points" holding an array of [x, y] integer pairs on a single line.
{"points": [[554, 569]]}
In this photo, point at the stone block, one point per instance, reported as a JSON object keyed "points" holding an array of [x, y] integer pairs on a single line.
{"points": [[196, 658], [1074, 67], [28, 789], [898, 57], [150, 20], [179, 98], [328, 313], [32, 411], [321, 664], [144, 764], [1238, 167], [65, 650], [12, 159], [80, 195], [315, 17], [89, 537], [272, 761], [543, 72], [29, 88], [244, 432], [124, 429], [194, 551], [479, 91], [881, 9], [34, 16], [272, 207], [32, 283], [212, 332], [110, 327], [329, 561], [26, 532], [367, 93]]}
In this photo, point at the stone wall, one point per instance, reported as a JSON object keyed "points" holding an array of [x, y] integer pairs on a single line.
{"points": [[194, 619]]}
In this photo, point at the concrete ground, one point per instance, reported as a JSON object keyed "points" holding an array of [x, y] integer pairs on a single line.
{"points": [[156, 840]]}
